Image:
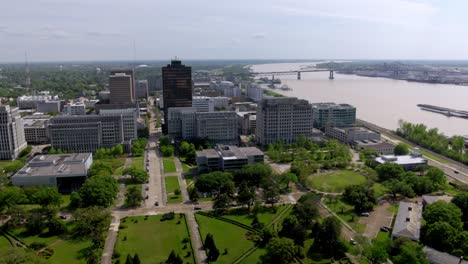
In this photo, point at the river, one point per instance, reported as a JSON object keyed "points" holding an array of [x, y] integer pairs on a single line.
{"points": [[380, 101]]}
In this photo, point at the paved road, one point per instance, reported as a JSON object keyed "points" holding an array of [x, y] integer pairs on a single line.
{"points": [[379, 217]]}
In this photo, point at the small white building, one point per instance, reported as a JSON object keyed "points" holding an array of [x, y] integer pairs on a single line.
{"points": [[408, 221], [408, 162], [203, 103], [75, 109]]}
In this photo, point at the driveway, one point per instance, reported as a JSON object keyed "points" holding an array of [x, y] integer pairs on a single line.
{"points": [[381, 216]]}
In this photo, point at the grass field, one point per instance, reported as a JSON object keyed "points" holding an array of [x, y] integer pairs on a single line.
{"points": [[68, 252], [172, 184], [3, 164], [345, 212], [138, 162], [431, 156], [265, 217], [169, 165], [336, 181], [153, 240], [185, 167], [380, 190], [226, 236]]}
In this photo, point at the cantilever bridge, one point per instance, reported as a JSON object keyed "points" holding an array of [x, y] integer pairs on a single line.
{"points": [[298, 73]]}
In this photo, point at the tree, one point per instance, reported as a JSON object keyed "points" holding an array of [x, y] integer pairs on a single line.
{"points": [[75, 200], [117, 150], [377, 252], [437, 176], [293, 229], [271, 191], [401, 149], [458, 143], [252, 173], [48, 196], [441, 211], [246, 195], [288, 177], [209, 241], [100, 168], [399, 187], [361, 196], [92, 223], [406, 251], [193, 194], [137, 175], [174, 258], [279, 251], [389, 171], [441, 235], [164, 141], [212, 182], [306, 213], [136, 259], [461, 200], [222, 201], [167, 151], [210, 247], [327, 238], [187, 150], [99, 191], [10, 196], [133, 196], [129, 259]]}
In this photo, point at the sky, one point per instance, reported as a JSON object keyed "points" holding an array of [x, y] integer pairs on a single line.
{"points": [[70, 30]]}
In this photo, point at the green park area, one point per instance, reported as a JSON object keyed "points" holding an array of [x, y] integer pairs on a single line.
{"points": [[336, 181], [169, 165], [153, 238], [234, 232], [346, 212], [173, 189], [138, 162], [185, 167]]}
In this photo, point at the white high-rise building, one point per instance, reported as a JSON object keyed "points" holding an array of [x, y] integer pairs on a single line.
{"points": [[129, 121], [75, 109], [283, 118], [203, 103], [254, 92], [11, 133]]}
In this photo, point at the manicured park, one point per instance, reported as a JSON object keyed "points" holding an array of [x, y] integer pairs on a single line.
{"points": [[172, 185], [336, 181], [138, 162], [169, 165], [153, 239]]}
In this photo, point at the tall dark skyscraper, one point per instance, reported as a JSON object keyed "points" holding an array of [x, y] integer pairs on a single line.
{"points": [[122, 87], [177, 87]]}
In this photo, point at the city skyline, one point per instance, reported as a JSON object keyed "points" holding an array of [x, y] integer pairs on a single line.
{"points": [[52, 30]]}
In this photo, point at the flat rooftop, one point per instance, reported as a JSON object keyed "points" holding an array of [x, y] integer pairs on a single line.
{"points": [[60, 165], [359, 129], [227, 152], [401, 160], [330, 105]]}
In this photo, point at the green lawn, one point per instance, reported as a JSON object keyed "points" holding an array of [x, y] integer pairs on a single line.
{"points": [[380, 190], [172, 184], [153, 240], [114, 163], [255, 256], [226, 236], [345, 212], [67, 251], [138, 162], [169, 165], [266, 216], [336, 181], [431, 156], [3, 164], [185, 167]]}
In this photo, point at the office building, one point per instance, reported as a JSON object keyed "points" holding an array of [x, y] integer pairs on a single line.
{"points": [[408, 221], [283, 118], [408, 162], [12, 140], [177, 86], [141, 89], [122, 87], [226, 88], [65, 171], [30, 101], [349, 134], [219, 127], [35, 129], [129, 121], [48, 107], [331, 114], [381, 148], [224, 157], [220, 101], [254, 92], [203, 103], [104, 95], [187, 123], [181, 123], [75, 109], [86, 133], [247, 122]]}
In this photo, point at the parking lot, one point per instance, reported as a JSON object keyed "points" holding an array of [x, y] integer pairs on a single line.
{"points": [[381, 216]]}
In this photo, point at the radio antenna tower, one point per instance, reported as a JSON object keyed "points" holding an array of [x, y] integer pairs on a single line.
{"points": [[134, 55]]}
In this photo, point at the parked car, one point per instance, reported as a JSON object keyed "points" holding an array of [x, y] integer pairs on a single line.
{"points": [[156, 203], [147, 188], [352, 241], [146, 197], [384, 229], [456, 172], [197, 208], [366, 214]]}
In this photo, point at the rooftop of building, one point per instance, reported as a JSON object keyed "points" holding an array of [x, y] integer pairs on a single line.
{"points": [[359, 129], [182, 109], [283, 100], [430, 199], [229, 152], [408, 220], [414, 158], [56, 165], [330, 105], [437, 257], [243, 113], [34, 122]]}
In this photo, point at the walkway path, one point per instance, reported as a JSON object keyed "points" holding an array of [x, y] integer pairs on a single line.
{"points": [[182, 183]]}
